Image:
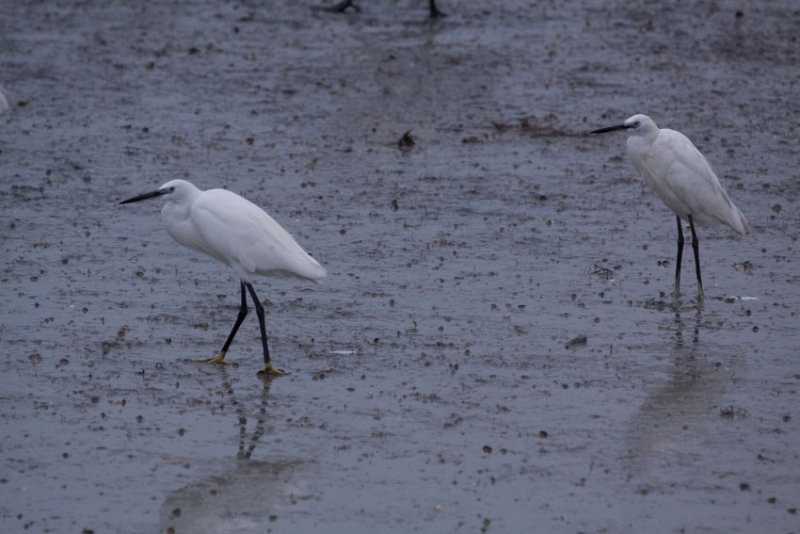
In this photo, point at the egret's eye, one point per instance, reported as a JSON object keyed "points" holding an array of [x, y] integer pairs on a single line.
{"points": [[636, 124]]}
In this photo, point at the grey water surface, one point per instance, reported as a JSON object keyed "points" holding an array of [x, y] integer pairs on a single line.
{"points": [[495, 348]]}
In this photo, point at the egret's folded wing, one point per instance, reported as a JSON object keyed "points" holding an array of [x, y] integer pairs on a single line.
{"points": [[249, 239], [685, 180]]}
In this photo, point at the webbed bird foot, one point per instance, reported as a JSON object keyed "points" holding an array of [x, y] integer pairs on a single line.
{"points": [[269, 372], [217, 358]]}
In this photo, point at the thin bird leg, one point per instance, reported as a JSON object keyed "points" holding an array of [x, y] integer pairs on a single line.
{"points": [[434, 11], [696, 248], [677, 291], [220, 356], [267, 370]]}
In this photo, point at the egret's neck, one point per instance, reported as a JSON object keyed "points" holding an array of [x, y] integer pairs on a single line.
{"points": [[174, 212], [179, 203], [639, 144], [176, 217]]}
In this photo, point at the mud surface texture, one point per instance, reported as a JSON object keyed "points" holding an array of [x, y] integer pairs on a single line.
{"points": [[495, 348]]}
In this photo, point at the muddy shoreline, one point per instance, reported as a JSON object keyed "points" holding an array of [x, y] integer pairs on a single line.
{"points": [[494, 349]]}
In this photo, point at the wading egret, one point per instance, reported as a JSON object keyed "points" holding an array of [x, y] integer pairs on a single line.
{"points": [[238, 233], [683, 179]]}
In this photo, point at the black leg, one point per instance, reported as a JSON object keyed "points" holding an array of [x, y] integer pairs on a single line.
{"points": [[220, 356], [677, 290], [696, 248], [260, 314], [267, 369], [238, 323], [434, 10]]}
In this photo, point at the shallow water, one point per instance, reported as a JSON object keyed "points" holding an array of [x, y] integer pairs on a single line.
{"points": [[495, 348]]}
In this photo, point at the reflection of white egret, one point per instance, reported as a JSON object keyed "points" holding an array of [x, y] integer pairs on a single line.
{"points": [[683, 179], [671, 425], [235, 494], [241, 415], [238, 233], [3, 99]]}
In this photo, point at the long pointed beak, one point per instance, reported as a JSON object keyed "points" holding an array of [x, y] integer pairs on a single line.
{"points": [[611, 129], [145, 196]]}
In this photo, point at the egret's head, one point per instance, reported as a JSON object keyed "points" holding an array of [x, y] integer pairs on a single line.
{"points": [[636, 125], [640, 124], [177, 191]]}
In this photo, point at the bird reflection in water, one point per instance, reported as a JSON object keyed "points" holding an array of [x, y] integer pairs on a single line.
{"points": [[670, 428], [241, 414], [236, 494]]}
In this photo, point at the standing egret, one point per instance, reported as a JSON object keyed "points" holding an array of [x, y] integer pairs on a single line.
{"points": [[238, 233], [683, 179]]}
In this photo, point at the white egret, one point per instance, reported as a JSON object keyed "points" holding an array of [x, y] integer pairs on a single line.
{"points": [[683, 179], [238, 233]]}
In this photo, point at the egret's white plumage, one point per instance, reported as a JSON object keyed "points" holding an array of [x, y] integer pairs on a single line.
{"points": [[238, 233], [680, 175], [235, 231], [682, 178]]}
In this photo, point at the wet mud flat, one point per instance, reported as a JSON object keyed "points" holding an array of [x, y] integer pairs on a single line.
{"points": [[494, 349]]}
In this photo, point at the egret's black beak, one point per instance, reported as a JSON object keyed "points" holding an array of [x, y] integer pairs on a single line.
{"points": [[145, 196], [611, 128]]}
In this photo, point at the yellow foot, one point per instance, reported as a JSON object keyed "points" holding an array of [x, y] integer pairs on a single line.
{"points": [[217, 358], [270, 372], [700, 295], [676, 292]]}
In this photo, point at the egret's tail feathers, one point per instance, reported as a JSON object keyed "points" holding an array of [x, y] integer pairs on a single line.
{"points": [[738, 221], [315, 271], [305, 268]]}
